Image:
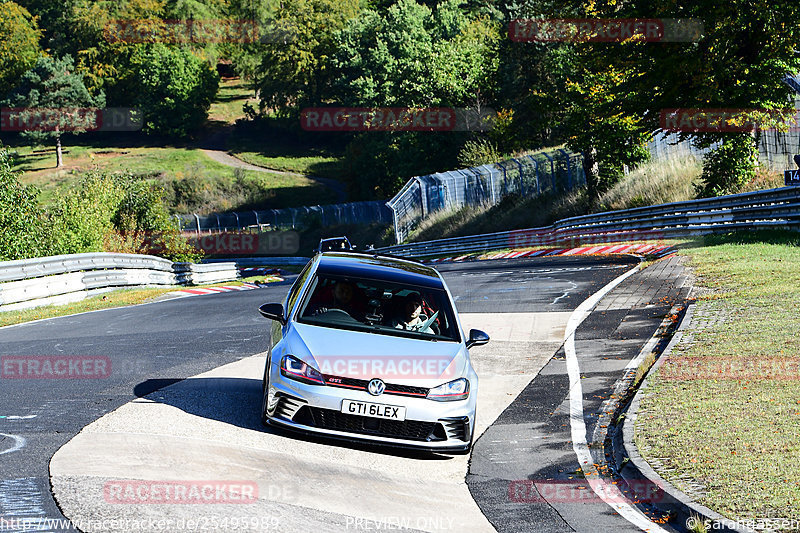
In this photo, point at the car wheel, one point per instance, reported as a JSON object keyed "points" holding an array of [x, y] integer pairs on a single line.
{"points": [[265, 384]]}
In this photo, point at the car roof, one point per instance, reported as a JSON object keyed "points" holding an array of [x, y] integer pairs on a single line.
{"points": [[372, 266]]}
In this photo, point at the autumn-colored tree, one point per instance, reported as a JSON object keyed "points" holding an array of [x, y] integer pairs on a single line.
{"points": [[19, 44]]}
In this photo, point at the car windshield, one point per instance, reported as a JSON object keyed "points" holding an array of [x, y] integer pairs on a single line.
{"points": [[381, 307]]}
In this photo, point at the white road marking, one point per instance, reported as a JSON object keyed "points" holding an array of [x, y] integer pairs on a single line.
{"points": [[16, 417], [19, 443], [608, 492]]}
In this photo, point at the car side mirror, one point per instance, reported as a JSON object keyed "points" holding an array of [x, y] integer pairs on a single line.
{"points": [[273, 312], [477, 338]]}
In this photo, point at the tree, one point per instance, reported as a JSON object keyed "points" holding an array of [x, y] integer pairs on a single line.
{"points": [[117, 213], [52, 100], [739, 62], [19, 44], [23, 234], [410, 55], [599, 127], [296, 72], [172, 86]]}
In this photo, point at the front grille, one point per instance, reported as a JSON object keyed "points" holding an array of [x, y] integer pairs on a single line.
{"points": [[364, 425], [361, 384]]}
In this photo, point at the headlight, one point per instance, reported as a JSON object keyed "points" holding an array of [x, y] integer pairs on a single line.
{"points": [[449, 392], [294, 368]]}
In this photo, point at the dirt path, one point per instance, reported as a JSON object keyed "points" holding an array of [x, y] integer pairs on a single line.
{"points": [[214, 147]]}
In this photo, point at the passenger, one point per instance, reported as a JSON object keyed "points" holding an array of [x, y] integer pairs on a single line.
{"points": [[410, 318]]}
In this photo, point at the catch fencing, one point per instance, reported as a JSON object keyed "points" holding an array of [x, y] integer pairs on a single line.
{"points": [[530, 175], [292, 217], [776, 149]]}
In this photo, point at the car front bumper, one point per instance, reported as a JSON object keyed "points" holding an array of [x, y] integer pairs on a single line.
{"points": [[445, 427]]}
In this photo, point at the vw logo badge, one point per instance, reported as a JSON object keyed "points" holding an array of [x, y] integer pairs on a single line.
{"points": [[376, 387]]}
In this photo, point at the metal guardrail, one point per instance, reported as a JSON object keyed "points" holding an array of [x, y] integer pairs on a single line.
{"points": [[774, 208], [61, 264], [46, 280]]}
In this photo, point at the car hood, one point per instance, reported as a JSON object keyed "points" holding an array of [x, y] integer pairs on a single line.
{"points": [[361, 355]]}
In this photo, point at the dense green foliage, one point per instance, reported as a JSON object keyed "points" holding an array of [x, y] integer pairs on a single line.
{"points": [[729, 166], [104, 213], [21, 219], [173, 87]]}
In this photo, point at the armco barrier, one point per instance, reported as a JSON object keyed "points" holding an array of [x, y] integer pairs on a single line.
{"points": [[770, 209], [60, 279]]}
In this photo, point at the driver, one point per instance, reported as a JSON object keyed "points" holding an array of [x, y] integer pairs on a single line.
{"points": [[411, 315], [343, 297]]}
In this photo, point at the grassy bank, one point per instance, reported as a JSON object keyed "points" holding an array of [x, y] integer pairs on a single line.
{"points": [[193, 181], [709, 419]]}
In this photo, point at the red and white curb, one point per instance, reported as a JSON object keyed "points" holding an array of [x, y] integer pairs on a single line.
{"points": [[654, 250], [211, 290]]}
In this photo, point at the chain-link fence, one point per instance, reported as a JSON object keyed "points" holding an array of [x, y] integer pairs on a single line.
{"points": [[293, 217], [776, 149], [531, 175]]}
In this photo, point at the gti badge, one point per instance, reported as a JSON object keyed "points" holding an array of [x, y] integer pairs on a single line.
{"points": [[376, 387]]}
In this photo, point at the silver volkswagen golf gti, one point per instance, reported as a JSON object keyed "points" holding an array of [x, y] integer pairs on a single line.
{"points": [[369, 347]]}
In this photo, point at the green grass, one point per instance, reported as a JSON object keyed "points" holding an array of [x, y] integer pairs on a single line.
{"points": [[118, 298], [227, 106], [656, 182], [278, 150], [194, 182], [737, 437]]}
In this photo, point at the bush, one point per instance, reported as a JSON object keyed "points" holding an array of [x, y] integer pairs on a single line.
{"points": [[729, 167], [117, 213], [22, 223], [478, 152]]}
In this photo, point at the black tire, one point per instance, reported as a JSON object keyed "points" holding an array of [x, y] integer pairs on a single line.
{"points": [[265, 395]]}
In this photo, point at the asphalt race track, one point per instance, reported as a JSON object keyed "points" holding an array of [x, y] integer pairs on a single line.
{"points": [[147, 421]]}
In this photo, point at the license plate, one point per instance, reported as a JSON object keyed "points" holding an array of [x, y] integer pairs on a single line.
{"points": [[375, 410]]}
